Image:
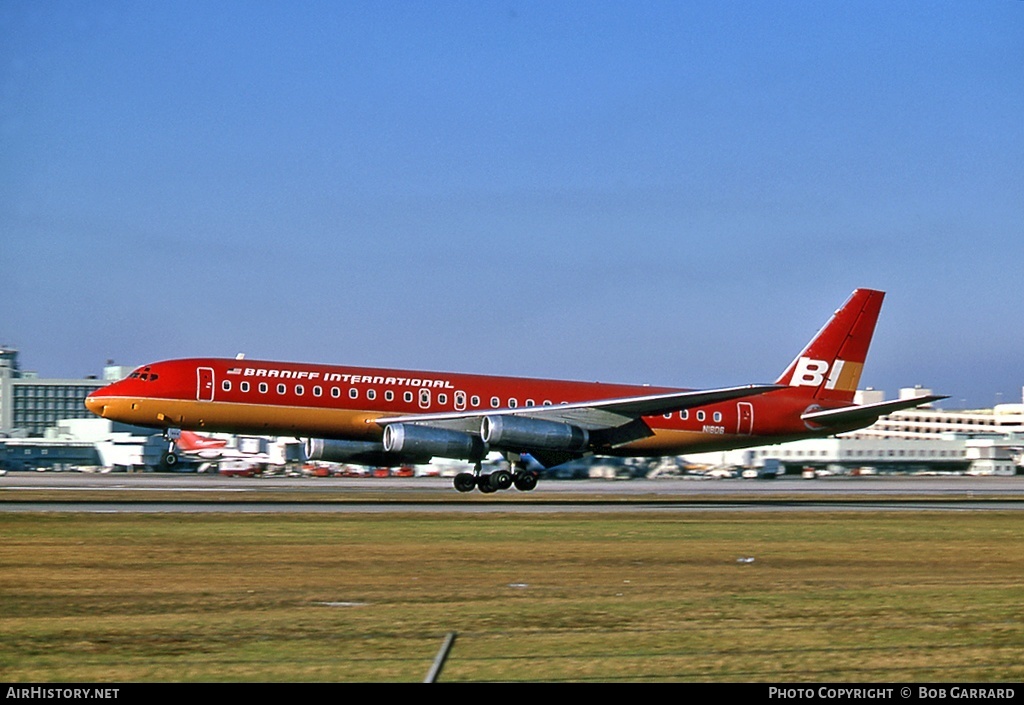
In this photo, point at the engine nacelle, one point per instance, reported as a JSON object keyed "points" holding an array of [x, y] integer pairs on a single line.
{"points": [[523, 433], [358, 452], [440, 442]]}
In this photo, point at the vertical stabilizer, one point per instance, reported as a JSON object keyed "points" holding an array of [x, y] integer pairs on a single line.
{"points": [[829, 367], [193, 441]]}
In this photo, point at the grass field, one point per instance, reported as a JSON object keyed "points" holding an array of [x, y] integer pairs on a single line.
{"points": [[847, 596]]}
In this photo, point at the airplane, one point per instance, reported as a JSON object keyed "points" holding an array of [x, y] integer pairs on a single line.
{"points": [[193, 445], [377, 416]]}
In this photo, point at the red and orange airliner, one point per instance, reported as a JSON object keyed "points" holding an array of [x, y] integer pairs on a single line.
{"points": [[390, 417]]}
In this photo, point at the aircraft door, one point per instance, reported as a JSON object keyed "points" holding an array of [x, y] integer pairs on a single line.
{"points": [[745, 413], [204, 384]]}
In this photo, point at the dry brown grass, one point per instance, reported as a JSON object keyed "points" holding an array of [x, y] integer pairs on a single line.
{"points": [[846, 596]]}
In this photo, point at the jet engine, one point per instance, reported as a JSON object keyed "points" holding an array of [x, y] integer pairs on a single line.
{"points": [[523, 433], [405, 438], [358, 452]]}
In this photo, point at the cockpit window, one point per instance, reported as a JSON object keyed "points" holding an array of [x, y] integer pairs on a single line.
{"points": [[144, 375]]}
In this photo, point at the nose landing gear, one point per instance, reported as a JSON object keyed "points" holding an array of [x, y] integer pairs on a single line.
{"points": [[169, 459]]}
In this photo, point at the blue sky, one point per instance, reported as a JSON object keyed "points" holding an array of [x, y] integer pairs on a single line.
{"points": [[677, 193]]}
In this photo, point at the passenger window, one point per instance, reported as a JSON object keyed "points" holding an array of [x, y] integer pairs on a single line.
{"points": [[226, 385], [281, 389]]}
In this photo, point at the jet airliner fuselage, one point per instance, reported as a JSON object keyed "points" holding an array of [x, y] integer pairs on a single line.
{"points": [[390, 417]]}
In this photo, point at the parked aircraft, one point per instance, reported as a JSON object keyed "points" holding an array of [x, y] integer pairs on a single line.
{"points": [[390, 417], [192, 445]]}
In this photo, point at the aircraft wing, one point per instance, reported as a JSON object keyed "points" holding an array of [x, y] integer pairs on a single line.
{"points": [[599, 415], [865, 413]]}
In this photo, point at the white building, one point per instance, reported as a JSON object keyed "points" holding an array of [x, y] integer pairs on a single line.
{"points": [[83, 444], [30, 404], [928, 423]]}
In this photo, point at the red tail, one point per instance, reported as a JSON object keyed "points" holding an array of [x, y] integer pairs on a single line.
{"points": [[829, 367], [193, 441]]}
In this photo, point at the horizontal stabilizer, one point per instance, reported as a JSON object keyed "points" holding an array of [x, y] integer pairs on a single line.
{"points": [[866, 414]]}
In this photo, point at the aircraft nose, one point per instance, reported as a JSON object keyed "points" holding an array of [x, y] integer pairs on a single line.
{"points": [[94, 404]]}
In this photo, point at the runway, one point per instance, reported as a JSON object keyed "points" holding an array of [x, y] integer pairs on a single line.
{"points": [[191, 493]]}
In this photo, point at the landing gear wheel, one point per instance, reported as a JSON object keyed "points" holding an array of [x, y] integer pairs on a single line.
{"points": [[501, 479], [169, 460], [525, 481], [465, 482], [483, 483]]}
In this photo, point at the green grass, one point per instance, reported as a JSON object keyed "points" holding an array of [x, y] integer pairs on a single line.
{"points": [[850, 596]]}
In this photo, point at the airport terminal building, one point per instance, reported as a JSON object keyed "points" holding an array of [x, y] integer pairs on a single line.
{"points": [[44, 423], [29, 404]]}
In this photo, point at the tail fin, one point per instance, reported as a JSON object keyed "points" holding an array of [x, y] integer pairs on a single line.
{"points": [[193, 441], [829, 367]]}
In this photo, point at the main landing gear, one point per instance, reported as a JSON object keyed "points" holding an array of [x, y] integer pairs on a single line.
{"points": [[501, 479]]}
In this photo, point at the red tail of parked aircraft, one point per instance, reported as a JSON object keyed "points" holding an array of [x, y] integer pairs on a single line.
{"points": [[193, 441], [392, 417]]}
